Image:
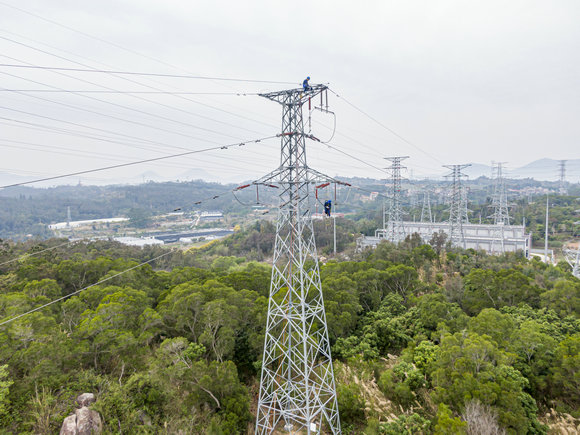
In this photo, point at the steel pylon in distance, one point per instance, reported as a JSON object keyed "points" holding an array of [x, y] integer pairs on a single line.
{"points": [[501, 216], [297, 388], [393, 216], [456, 208]]}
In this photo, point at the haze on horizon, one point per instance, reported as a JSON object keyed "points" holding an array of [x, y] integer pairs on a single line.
{"points": [[462, 81]]}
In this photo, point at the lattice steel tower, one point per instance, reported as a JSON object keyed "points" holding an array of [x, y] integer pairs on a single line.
{"points": [[573, 258], [456, 213], [297, 389], [465, 204], [500, 215], [393, 228], [426, 215], [562, 179]]}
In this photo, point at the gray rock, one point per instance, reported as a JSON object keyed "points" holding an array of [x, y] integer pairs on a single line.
{"points": [[88, 421], [69, 426], [86, 399]]}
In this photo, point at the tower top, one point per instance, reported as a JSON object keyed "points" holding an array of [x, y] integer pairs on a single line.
{"points": [[293, 97]]}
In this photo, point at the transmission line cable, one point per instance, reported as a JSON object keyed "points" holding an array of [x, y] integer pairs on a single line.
{"points": [[84, 288], [144, 74], [71, 152], [51, 129], [375, 120], [157, 144], [154, 147], [141, 124], [22, 257], [96, 91], [111, 89], [154, 159], [354, 157], [139, 83]]}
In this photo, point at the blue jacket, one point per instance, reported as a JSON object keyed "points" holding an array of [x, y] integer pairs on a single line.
{"points": [[305, 84]]}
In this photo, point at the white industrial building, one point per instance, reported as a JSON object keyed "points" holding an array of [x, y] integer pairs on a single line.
{"points": [[138, 241], [74, 224], [490, 238]]}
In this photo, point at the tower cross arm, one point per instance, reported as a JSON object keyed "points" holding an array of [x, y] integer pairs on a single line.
{"points": [[316, 177], [294, 96]]}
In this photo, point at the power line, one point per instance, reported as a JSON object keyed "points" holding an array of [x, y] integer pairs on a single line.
{"points": [[123, 78], [85, 288], [154, 159], [390, 130], [41, 148], [93, 91], [22, 257], [158, 144], [129, 80], [35, 126], [145, 74], [354, 157], [141, 124], [127, 50]]}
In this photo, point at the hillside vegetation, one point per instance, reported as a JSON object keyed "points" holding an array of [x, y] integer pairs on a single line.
{"points": [[424, 341]]}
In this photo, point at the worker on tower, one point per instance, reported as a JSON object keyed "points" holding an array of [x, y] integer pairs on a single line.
{"points": [[327, 207], [305, 84]]}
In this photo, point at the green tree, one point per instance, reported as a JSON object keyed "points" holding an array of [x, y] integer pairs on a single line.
{"points": [[564, 298], [342, 306], [471, 366], [566, 371], [5, 384], [446, 424]]}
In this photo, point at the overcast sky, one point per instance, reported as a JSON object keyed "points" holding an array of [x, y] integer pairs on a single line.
{"points": [[463, 81]]}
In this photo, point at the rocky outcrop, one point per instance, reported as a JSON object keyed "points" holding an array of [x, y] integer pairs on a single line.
{"points": [[86, 399], [69, 425], [84, 421]]}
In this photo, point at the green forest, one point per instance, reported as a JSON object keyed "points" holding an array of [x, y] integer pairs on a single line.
{"points": [[425, 339]]}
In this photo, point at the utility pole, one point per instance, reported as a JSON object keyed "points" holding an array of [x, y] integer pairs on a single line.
{"points": [[456, 214], [334, 221], [393, 229], [546, 232], [500, 215], [426, 215], [297, 389], [562, 184]]}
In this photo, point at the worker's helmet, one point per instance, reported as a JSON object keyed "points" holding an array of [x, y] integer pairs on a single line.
{"points": [[308, 78]]}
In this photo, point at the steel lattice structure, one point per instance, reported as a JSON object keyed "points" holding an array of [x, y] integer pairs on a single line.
{"points": [[500, 215], [297, 389], [393, 229], [573, 258], [464, 204], [562, 179], [456, 213], [426, 215]]}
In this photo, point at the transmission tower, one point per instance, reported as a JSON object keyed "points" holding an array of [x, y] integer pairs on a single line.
{"points": [[464, 205], [393, 229], [562, 171], [500, 215], [68, 218], [426, 215], [297, 389], [456, 214], [573, 258]]}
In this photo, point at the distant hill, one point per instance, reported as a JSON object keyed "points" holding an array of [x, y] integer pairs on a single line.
{"points": [[541, 170], [548, 169]]}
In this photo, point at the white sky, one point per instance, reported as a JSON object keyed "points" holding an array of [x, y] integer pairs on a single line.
{"points": [[465, 81]]}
